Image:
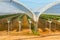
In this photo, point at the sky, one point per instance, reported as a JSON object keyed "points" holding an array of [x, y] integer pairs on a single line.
{"points": [[36, 4], [54, 9]]}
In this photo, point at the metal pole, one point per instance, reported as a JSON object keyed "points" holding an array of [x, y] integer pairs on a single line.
{"points": [[11, 26], [36, 22], [55, 26], [30, 25], [36, 26], [19, 26], [59, 21], [8, 27], [50, 25]]}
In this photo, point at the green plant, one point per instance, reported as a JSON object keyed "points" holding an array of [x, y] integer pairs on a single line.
{"points": [[33, 30]]}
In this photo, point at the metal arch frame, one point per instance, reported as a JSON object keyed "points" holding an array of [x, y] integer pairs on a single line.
{"points": [[26, 8], [19, 3], [47, 7]]}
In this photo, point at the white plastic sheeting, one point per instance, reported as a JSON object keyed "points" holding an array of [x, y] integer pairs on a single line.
{"points": [[45, 8], [14, 6]]}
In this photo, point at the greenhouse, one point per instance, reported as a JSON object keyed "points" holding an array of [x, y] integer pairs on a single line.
{"points": [[17, 18]]}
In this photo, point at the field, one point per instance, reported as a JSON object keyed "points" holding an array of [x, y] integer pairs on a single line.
{"points": [[44, 27]]}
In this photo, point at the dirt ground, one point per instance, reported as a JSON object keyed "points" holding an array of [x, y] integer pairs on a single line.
{"points": [[26, 35], [49, 37]]}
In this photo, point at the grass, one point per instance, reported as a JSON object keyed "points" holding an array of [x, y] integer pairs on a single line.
{"points": [[33, 30]]}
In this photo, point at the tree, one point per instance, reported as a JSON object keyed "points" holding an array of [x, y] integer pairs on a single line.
{"points": [[25, 23]]}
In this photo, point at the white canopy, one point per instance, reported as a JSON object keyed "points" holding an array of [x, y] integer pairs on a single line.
{"points": [[14, 6]]}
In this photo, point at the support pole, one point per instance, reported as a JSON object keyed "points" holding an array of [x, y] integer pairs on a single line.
{"points": [[36, 23], [8, 26], [36, 27], [50, 25], [19, 26]]}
